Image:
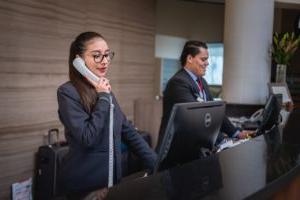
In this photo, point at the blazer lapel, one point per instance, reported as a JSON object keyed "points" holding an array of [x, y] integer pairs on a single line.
{"points": [[194, 87]]}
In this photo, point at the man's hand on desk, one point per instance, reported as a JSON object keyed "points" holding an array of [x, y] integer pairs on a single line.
{"points": [[245, 134], [288, 106], [100, 194]]}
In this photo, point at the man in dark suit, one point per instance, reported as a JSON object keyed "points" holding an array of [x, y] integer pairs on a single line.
{"points": [[188, 85]]}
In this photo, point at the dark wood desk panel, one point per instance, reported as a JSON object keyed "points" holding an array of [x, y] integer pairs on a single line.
{"points": [[264, 167], [255, 169]]}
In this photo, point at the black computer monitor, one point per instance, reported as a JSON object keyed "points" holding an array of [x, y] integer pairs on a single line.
{"points": [[191, 126], [271, 113]]}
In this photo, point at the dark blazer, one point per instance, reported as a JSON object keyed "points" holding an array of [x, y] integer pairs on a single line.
{"points": [[181, 88], [86, 165]]}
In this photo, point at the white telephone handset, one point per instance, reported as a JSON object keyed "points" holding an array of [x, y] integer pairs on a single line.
{"points": [[257, 116], [82, 69]]}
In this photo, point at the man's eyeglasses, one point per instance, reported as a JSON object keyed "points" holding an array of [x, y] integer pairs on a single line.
{"points": [[98, 58]]}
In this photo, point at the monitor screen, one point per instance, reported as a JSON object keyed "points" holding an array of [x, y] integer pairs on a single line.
{"points": [[271, 113], [191, 126]]}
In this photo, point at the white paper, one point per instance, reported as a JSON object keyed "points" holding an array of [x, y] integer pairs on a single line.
{"points": [[281, 90], [22, 190]]}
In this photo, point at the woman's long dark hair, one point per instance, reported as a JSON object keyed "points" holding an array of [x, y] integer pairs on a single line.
{"points": [[86, 91]]}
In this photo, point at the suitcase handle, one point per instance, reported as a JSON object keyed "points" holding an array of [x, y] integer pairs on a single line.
{"points": [[50, 133]]}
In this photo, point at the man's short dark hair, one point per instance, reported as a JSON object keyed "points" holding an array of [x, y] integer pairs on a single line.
{"points": [[192, 48]]}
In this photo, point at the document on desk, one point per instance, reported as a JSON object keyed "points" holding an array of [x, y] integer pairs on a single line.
{"points": [[230, 143]]}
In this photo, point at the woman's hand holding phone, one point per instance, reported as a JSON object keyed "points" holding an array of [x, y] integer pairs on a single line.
{"points": [[102, 85]]}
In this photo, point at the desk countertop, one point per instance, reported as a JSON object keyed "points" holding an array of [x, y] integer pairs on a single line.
{"points": [[264, 167], [256, 169]]}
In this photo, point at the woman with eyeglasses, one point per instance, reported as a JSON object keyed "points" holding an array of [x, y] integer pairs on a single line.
{"points": [[94, 123]]}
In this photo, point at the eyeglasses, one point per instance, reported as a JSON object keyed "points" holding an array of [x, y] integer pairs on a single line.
{"points": [[98, 58]]}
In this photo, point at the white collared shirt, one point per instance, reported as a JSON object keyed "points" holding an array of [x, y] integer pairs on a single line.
{"points": [[202, 95]]}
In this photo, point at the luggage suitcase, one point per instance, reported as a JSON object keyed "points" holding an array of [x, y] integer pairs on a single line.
{"points": [[48, 160]]}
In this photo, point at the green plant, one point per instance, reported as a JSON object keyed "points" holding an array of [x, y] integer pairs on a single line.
{"points": [[284, 47]]}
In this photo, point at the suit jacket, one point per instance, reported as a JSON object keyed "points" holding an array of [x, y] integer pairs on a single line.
{"points": [[181, 88], [86, 165]]}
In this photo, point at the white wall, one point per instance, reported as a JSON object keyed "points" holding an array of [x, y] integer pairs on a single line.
{"points": [[168, 46]]}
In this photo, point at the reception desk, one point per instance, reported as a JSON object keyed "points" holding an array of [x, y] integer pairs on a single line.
{"points": [[265, 167]]}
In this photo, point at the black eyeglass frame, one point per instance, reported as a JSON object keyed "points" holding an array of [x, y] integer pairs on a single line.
{"points": [[99, 57]]}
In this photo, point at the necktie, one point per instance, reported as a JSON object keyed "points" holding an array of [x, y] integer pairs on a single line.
{"points": [[200, 84], [202, 93]]}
